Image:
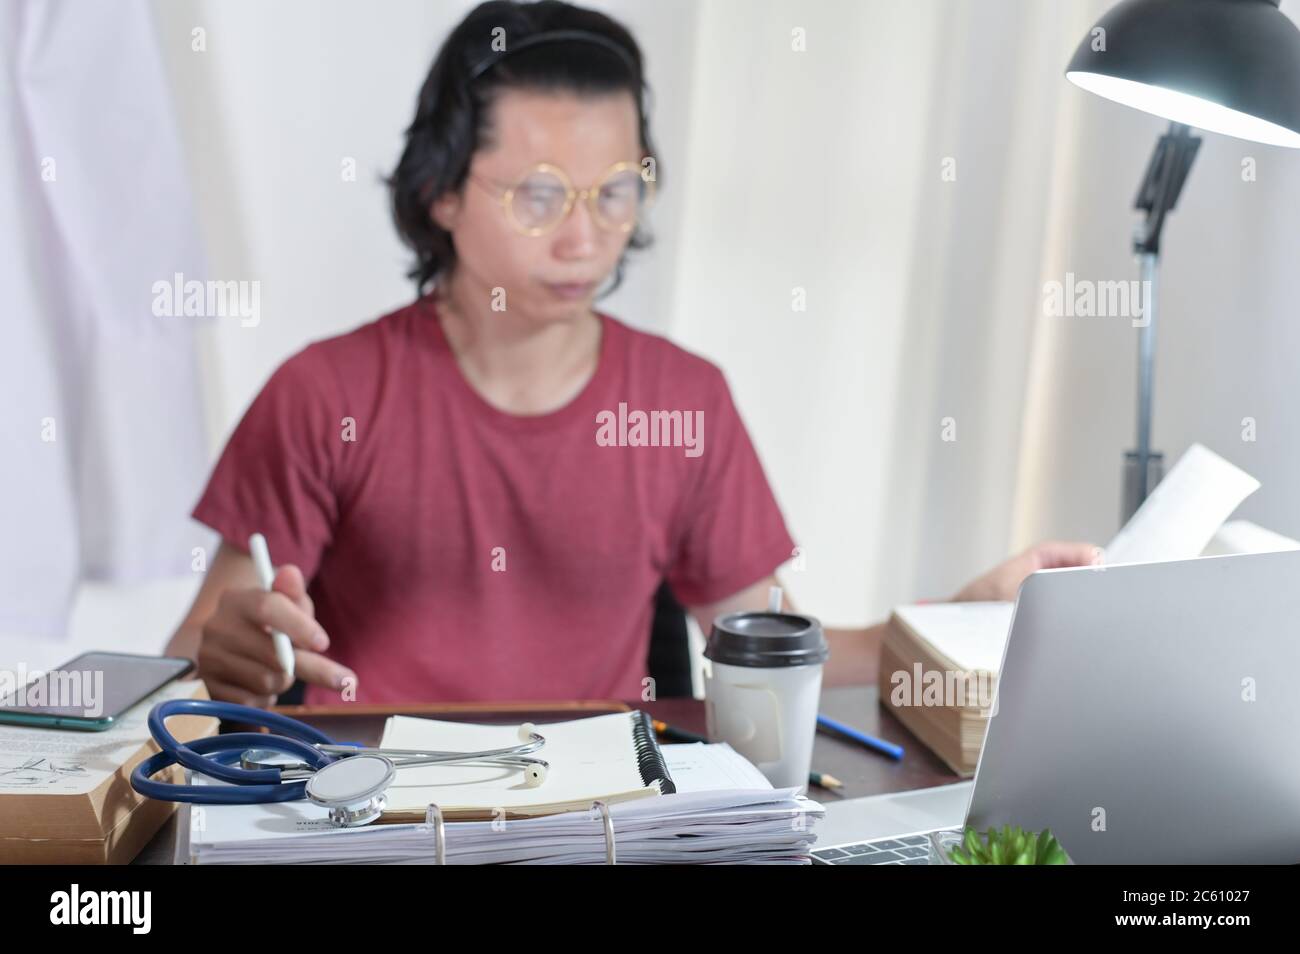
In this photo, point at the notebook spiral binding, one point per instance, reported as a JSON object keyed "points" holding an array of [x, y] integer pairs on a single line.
{"points": [[650, 758]]}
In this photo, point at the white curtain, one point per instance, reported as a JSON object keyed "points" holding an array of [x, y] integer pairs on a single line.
{"points": [[103, 444]]}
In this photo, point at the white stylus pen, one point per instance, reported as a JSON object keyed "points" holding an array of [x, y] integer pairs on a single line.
{"points": [[262, 560]]}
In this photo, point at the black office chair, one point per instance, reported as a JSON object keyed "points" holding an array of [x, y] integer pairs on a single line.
{"points": [[669, 660]]}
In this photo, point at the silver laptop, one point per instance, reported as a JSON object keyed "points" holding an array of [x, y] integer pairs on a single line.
{"points": [[1146, 713]]}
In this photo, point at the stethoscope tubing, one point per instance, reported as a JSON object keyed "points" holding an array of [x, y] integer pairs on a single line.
{"points": [[215, 756]]}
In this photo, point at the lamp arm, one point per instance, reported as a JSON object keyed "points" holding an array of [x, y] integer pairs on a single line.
{"points": [[1161, 186], [1163, 183]]}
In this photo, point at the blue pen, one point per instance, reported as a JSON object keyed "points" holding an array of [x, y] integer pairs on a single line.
{"points": [[870, 741]]}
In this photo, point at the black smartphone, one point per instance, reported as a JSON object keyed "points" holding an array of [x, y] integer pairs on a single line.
{"points": [[91, 692]]}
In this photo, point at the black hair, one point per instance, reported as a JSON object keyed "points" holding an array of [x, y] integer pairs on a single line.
{"points": [[453, 111]]}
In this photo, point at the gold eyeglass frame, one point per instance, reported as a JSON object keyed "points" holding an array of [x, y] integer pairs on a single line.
{"points": [[572, 196]]}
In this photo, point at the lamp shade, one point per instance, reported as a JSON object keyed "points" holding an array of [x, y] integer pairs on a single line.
{"points": [[1225, 66]]}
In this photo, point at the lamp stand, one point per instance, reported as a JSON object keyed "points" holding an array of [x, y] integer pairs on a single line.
{"points": [[1157, 196]]}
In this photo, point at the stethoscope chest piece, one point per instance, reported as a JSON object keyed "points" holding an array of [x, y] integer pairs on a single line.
{"points": [[352, 788]]}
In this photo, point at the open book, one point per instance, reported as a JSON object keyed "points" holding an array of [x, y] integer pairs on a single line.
{"points": [[613, 758], [66, 795]]}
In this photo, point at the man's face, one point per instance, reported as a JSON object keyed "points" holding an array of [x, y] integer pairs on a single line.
{"points": [[583, 136]]}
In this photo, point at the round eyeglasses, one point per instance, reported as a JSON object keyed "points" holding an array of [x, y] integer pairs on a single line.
{"points": [[544, 196]]}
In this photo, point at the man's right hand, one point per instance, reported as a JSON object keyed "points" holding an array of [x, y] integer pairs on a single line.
{"points": [[236, 654]]}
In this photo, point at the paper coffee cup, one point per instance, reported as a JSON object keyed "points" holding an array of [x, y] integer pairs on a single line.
{"points": [[762, 685]]}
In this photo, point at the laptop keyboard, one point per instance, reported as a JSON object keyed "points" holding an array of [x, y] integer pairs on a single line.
{"points": [[908, 850]]}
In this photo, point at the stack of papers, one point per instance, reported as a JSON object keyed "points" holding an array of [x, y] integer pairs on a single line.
{"points": [[1180, 517], [724, 812]]}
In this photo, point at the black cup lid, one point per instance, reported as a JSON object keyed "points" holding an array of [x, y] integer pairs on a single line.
{"points": [[767, 640]]}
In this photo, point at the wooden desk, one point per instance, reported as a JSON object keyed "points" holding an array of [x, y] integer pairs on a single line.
{"points": [[863, 772]]}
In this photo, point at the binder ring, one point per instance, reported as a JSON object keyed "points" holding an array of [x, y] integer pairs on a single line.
{"points": [[609, 831], [433, 819]]}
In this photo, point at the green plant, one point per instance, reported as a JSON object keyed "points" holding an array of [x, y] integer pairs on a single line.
{"points": [[1010, 846]]}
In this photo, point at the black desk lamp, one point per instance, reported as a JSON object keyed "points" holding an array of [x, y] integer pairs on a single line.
{"points": [[1225, 66]]}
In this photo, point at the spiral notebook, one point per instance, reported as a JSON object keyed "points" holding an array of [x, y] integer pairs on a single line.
{"points": [[614, 758]]}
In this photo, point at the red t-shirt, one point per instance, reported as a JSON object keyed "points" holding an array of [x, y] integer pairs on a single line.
{"points": [[457, 552]]}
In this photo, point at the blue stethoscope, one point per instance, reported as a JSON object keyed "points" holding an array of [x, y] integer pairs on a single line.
{"points": [[349, 780]]}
